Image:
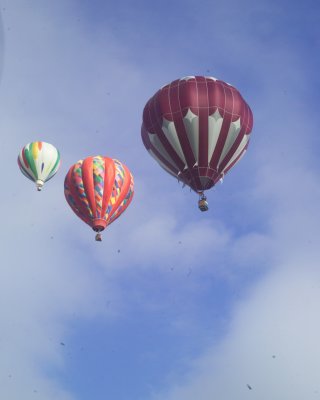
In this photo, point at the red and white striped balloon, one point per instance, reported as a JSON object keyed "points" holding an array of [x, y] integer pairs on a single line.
{"points": [[197, 128]]}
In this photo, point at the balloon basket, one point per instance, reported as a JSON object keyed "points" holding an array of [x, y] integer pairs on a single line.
{"points": [[39, 184], [202, 203], [98, 237]]}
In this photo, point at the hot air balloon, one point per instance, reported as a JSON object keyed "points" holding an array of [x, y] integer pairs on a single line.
{"points": [[197, 128], [98, 189], [39, 161]]}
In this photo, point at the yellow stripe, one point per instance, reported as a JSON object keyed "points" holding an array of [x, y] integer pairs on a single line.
{"points": [[35, 150]]}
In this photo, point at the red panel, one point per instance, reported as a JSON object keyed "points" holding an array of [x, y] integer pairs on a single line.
{"points": [[25, 158], [88, 183], [74, 192], [203, 102]]}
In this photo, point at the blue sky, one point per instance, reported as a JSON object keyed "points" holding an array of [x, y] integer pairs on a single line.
{"points": [[195, 305]]}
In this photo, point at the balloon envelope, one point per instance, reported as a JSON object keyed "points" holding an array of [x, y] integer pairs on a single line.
{"points": [[197, 128], [39, 161], [98, 189]]}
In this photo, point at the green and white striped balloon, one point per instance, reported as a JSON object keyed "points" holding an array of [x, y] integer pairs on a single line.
{"points": [[39, 161]]}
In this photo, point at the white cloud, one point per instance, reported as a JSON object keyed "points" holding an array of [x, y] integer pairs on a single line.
{"points": [[272, 345]]}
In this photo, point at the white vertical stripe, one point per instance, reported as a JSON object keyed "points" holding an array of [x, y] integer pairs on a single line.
{"points": [[241, 147], [191, 123], [160, 162], [48, 155], [170, 132], [214, 127], [156, 143], [234, 129]]}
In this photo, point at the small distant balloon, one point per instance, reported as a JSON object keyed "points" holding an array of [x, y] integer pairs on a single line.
{"points": [[39, 162], [98, 189]]}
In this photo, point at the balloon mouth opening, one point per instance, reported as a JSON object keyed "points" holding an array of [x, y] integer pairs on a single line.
{"points": [[199, 178], [98, 228], [98, 225]]}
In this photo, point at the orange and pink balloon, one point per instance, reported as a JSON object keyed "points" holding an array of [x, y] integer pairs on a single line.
{"points": [[99, 189]]}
